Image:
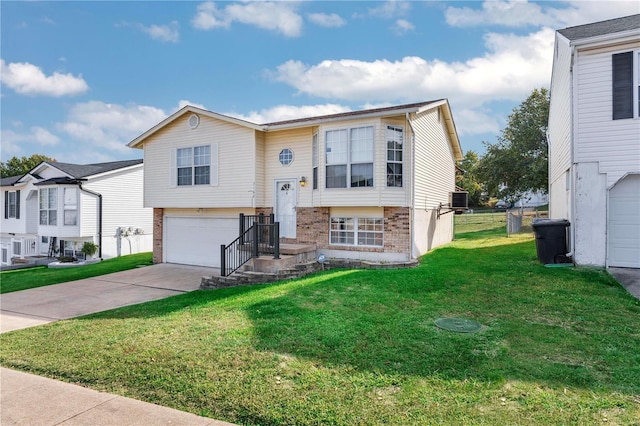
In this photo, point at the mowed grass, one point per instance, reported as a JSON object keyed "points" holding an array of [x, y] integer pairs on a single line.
{"points": [[558, 346], [23, 279]]}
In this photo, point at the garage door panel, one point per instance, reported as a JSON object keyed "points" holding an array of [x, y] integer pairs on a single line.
{"points": [[196, 241], [623, 231]]}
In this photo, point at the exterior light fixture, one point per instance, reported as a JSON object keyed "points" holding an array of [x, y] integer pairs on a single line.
{"points": [[303, 181]]}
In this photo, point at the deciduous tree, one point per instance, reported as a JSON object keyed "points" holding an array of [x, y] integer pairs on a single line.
{"points": [[518, 161], [17, 166]]}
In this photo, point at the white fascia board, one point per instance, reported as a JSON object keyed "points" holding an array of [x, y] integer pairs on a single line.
{"points": [[321, 120], [137, 142], [613, 38]]}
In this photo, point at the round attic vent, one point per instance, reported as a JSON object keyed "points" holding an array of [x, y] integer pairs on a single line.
{"points": [[194, 120]]}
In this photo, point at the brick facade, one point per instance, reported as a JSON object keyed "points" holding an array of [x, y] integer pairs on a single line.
{"points": [[158, 221], [397, 230]]}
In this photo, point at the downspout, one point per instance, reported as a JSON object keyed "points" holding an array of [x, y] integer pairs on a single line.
{"points": [[411, 186], [99, 196], [573, 171]]}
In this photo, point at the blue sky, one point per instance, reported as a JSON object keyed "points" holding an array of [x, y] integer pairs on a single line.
{"points": [[79, 80]]}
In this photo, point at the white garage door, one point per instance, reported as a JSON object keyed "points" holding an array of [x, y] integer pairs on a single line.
{"points": [[623, 234], [196, 241]]}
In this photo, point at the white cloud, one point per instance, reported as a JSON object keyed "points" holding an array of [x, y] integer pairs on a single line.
{"points": [[13, 142], [100, 126], [183, 103], [402, 26], [391, 9], [518, 13], [28, 79], [326, 20], [475, 122], [167, 33], [511, 68], [289, 112], [275, 16]]}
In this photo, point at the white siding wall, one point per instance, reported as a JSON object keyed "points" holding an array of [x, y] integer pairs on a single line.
{"points": [[613, 144], [121, 207], [590, 220], [260, 183], [236, 165], [434, 180], [13, 225], [560, 130]]}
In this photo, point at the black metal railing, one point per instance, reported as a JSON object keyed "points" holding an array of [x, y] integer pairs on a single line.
{"points": [[260, 238]]}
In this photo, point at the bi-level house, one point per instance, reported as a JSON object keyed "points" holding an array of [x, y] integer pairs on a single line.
{"points": [[370, 185], [54, 208], [594, 140]]}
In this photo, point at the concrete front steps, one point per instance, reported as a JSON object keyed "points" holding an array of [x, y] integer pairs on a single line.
{"points": [[296, 261]]}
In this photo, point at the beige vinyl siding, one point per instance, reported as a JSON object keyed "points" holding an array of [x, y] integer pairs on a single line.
{"points": [[299, 141], [379, 195], [260, 184], [209, 213], [236, 165], [613, 144], [434, 180]]}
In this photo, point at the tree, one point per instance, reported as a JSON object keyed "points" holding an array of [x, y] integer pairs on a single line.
{"points": [[518, 162], [467, 179], [19, 166]]}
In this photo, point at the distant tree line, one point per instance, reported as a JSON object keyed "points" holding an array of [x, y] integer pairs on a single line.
{"points": [[18, 166]]}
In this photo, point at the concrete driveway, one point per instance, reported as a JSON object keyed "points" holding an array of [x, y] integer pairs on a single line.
{"points": [[28, 308], [629, 278]]}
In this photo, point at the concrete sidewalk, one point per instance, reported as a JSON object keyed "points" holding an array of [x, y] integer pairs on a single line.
{"points": [[26, 399]]}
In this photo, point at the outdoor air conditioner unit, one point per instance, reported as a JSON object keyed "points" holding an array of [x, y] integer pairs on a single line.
{"points": [[459, 200]]}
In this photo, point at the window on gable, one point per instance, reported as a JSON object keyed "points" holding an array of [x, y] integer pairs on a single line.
{"points": [[622, 90], [349, 157], [395, 147], [194, 165], [48, 206]]}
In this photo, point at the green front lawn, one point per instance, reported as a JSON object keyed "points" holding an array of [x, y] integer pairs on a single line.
{"points": [[558, 346], [23, 279]]}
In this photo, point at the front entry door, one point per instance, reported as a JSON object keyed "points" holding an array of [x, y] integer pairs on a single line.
{"points": [[286, 207]]}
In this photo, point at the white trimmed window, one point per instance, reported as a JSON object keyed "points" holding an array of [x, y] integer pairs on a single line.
{"points": [[194, 165], [11, 206], [349, 155], [395, 147], [48, 206], [70, 206], [625, 85], [356, 231], [314, 160]]}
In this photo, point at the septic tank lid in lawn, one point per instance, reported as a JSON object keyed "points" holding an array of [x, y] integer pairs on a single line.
{"points": [[460, 325]]}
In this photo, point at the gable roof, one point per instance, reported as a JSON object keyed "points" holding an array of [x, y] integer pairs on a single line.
{"points": [[80, 171], [311, 121], [74, 172], [602, 28]]}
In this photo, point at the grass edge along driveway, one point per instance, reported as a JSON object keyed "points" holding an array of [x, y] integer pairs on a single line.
{"points": [[23, 279], [558, 346]]}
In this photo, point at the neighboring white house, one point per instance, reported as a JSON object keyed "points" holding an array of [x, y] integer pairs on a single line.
{"points": [[594, 140], [362, 185], [56, 207]]}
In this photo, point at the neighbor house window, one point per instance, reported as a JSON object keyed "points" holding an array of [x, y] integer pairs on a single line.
{"points": [[349, 155], [194, 165], [625, 92], [48, 206], [395, 146], [356, 231], [314, 160], [12, 204], [70, 206]]}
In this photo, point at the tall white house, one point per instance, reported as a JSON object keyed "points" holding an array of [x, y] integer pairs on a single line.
{"points": [[594, 140]]}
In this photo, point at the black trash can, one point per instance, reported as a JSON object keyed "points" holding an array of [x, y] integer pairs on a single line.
{"points": [[551, 240]]}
